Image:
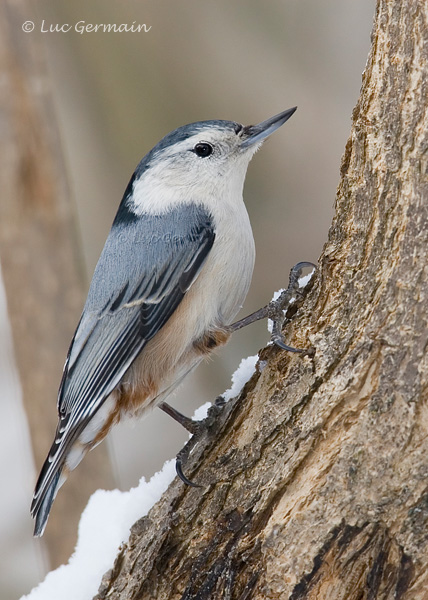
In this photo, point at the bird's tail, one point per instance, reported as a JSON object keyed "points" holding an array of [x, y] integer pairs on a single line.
{"points": [[50, 479], [41, 505]]}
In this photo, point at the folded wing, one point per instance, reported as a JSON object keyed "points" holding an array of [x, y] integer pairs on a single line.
{"points": [[144, 271]]}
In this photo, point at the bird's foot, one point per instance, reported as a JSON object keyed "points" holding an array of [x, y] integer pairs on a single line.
{"points": [[200, 427], [277, 309]]}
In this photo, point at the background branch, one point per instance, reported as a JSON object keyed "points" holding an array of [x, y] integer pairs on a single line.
{"points": [[38, 252]]}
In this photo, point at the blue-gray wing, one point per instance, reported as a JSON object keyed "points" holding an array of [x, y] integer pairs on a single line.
{"points": [[144, 271]]}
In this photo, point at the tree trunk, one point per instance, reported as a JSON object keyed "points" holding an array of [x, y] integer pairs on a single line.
{"points": [[39, 257], [315, 480]]}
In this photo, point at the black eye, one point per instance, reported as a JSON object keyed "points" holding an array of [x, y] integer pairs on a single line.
{"points": [[203, 149]]}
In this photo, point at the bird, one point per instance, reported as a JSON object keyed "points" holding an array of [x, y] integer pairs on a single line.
{"points": [[174, 272]]}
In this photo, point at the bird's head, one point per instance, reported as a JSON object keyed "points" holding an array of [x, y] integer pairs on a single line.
{"points": [[199, 159]]}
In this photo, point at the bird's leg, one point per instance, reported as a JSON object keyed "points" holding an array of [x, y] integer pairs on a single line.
{"points": [[186, 422], [277, 309]]}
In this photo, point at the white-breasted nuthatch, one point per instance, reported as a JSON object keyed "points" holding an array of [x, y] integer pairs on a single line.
{"points": [[174, 271]]}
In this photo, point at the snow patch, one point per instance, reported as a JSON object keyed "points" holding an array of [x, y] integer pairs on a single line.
{"points": [[201, 413], [105, 524], [275, 296], [303, 281], [243, 373]]}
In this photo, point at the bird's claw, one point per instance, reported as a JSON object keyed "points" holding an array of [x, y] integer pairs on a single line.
{"points": [[278, 340], [179, 469]]}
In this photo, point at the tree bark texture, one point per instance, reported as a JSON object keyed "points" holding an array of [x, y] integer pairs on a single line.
{"points": [[315, 480], [40, 263]]}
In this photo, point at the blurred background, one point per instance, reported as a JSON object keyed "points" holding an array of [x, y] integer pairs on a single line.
{"points": [[113, 96]]}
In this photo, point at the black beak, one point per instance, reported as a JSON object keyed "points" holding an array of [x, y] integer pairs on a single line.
{"points": [[252, 134]]}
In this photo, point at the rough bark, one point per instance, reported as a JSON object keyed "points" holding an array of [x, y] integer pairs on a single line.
{"points": [[40, 263], [315, 480]]}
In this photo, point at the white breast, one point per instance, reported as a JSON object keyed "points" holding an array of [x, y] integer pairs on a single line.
{"points": [[226, 276]]}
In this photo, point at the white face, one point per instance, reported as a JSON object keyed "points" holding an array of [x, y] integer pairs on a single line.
{"points": [[208, 166]]}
